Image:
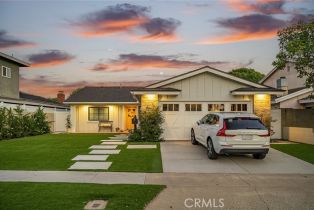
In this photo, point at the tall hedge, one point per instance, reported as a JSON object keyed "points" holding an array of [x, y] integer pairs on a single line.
{"points": [[15, 123]]}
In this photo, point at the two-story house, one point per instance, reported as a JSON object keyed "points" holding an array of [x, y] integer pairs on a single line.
{"points": [[11, 96], [293, 112]]}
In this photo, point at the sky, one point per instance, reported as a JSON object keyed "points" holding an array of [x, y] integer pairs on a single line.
{"points": [[72, 44]]}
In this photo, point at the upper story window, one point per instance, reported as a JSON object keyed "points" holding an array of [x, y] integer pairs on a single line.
{"points": [[193, 107], [6, 72], [170, 107], [216, 107], [281, 82], [98, 113], [238, 107]]}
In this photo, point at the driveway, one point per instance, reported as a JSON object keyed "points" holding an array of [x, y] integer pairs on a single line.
{"points": [[183, 157]]}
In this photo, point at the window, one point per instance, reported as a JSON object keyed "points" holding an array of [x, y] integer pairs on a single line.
{"points": [[216, 107], [238, 107], [281, 83], [193, 107], [6, 72], [244, 123], [98, 113], [170, 107]]}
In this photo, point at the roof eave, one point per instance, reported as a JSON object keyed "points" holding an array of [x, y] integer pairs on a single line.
{"points": [[97, 102]]}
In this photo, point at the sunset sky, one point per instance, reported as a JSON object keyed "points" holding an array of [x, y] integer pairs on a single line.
{"points": [[73, 44]]}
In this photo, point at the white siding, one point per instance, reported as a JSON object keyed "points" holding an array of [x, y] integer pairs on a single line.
{"points": [[205, 87]]}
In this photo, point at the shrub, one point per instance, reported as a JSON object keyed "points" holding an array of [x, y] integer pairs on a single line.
{"points": [[135, 135], [68, 123], [14, 123], [151, 121]]}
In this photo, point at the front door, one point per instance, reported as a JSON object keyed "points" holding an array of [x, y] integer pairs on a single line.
{"points": [[130, 113]]}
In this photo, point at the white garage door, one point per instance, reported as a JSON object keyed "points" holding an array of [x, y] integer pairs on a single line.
{"points": [[178, 124]]}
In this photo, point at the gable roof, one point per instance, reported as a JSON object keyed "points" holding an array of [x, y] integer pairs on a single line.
{"points": [[102, 95], [294, 94], [38, 99], [268, 75], [202, 70], [14, 60]]}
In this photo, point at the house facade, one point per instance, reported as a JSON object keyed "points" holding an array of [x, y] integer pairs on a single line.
{"points": [[293, 112], [183, 99], [11, 96]]}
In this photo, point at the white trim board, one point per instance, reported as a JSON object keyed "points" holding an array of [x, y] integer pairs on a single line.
{"points": [[292, 95]]}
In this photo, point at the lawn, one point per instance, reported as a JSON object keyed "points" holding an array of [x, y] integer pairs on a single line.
{"points": [[21, 195], [302, 151], [55, 151]]}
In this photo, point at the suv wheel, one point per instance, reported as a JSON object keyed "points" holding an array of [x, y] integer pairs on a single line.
{"points": [[259, 156], [211, 151], [193, 140]]}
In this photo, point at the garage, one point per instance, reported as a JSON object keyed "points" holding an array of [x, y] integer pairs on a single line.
{"points": [[180, 117]]}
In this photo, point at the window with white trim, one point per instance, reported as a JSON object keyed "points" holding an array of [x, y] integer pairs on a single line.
{"points": [[216, 107], [98, 113], [238, 107], [170, 107], [193, 107], [6, 72]]}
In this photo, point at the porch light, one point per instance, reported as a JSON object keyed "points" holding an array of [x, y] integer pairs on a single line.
{"points": [[151, 97]]}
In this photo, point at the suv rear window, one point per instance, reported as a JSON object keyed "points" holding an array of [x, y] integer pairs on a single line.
{"points": [[244, 123]]}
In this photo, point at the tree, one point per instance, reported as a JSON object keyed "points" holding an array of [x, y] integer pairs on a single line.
{"points": [[296, 45], [248, 74]]}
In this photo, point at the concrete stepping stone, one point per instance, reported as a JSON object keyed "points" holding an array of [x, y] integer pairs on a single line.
{"points": [[103, 147], [90, 165], [111, 140], [91, 157], [113, 143], [104, 152], [119, 137], [141, 146]]}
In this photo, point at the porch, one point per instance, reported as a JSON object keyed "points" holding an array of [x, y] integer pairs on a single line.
{"points": [[102, 118]]}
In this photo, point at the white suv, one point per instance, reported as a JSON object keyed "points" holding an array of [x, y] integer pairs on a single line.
{"points": [[231, 133]]}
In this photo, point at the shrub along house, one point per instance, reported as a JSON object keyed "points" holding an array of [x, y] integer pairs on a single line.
{"points": [[183, 99]]}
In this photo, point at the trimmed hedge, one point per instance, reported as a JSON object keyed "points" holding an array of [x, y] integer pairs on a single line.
{"points": [[15, 123]]}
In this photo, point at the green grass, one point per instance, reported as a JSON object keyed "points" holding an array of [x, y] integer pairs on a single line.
{"points": [[302, 151], [137, 160], [55, 196], [55, 151]]}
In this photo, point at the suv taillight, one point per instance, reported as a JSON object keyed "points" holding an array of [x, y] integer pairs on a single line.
{"points": [[265, 135], [222, 132]]}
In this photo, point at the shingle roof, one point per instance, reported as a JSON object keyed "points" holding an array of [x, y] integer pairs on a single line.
{"points": [[156, 89], [103, 94], [39, 99], [252, 89], [14, 60]]}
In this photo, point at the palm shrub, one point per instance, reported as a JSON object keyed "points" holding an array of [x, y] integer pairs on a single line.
{"points": [[41, 125], [151, 121], [15, 123]]}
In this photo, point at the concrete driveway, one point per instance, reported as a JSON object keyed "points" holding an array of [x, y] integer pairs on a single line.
{"points": [[183, 157]]}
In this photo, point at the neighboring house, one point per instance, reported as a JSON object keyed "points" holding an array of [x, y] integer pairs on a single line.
{"points": [[296, 94], [11, 97], [183, 99], [292, 113]]}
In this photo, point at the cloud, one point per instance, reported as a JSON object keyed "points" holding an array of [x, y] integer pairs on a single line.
{"points": [[112, 19], [247, 27], [45, 87], [160, 29], [49, 58], [127, 18], [8, 41], [260, 6], [133, 62]]}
